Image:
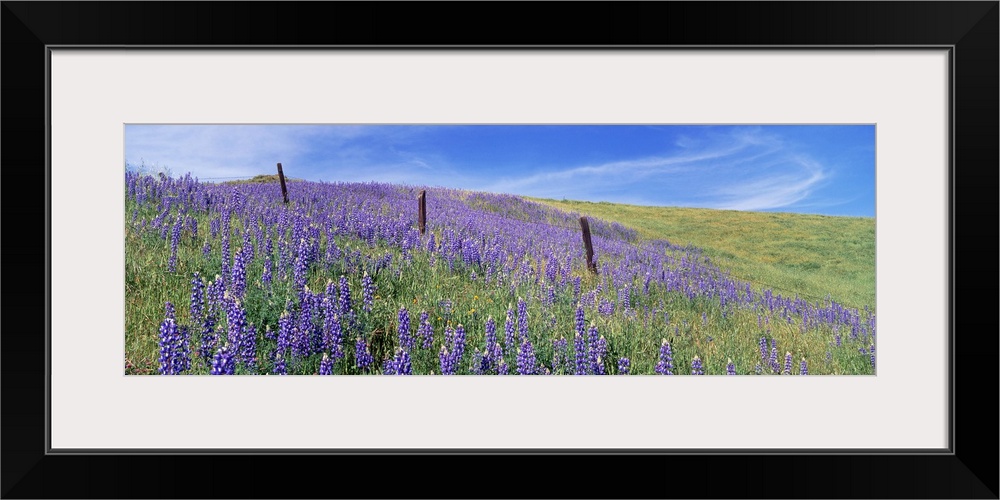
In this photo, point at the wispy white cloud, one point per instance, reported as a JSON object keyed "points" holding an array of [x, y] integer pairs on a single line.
{"points": [[224, 150], [780, 187], [320, 153], [744, 169]]}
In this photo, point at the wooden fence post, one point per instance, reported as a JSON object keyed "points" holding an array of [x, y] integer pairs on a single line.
{"points": [[284, 190], [422, 211], [586, 242]]}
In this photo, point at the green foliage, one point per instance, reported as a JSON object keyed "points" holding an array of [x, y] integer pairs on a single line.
{"points": [[812, 255]]}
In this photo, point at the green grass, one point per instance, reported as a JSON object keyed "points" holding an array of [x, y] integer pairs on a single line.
{"points": [[800, 253], [812, 255]]}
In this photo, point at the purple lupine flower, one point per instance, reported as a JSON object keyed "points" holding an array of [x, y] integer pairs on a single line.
{"points": [[326, 365], [503, 369], [788, 363], [447, 361], [192, 224], [431, 245], [758, 369], [580, 357], [730, 367], [426, 330], [168, 340], [362, 357], [235, 319], [560, 355], [238, 280], [182, 350], [197, 300], [266, 278], [403, 329], [803, 369], [302, 338], [763, 350], [522, 319], [239, 334], [773, 360], [367, 292], [526, 358], [175, 237], [871, 351], [223, 363], [492, 353], [696, 367], [550, 270], [225, 243], [601, 348], [332, 252], [623, 298], [606, 308], [477, 363], [623, 366], [208, 336], [592, 351], [301, 270], [401, 363], [248, 347], [508, 329], [666, 363], [581, 325], [344, 300], [214, 293], [458, 344], [247, 249], [331, 292], [206, 249], [279, 365], [332, 334], [286, 331]]}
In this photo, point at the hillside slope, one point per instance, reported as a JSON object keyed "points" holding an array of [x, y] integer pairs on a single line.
{"points": [[812, 255]]}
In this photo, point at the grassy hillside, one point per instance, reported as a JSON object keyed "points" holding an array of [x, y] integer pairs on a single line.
{"points": [[812, 255], [228, 279], [262, 179]]}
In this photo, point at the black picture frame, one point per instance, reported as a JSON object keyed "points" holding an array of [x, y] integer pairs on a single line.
{"points": [[968, 470]]}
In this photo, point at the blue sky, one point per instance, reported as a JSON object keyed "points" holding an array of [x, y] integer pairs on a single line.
{"points": [[816, 169]]}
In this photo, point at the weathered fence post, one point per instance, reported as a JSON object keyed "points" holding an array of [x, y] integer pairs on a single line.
{"points": [[586, 242], [422, 211], [284, 190]]}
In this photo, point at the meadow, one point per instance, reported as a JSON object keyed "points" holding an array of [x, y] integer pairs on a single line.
{"points": [[812, 255], [227, 279]]}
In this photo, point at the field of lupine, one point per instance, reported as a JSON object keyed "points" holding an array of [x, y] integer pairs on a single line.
{"points": [[226, 279]]}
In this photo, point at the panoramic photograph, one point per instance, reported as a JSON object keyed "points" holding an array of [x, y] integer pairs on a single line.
{"points": [[499, 250]]}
